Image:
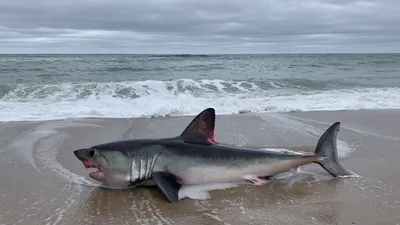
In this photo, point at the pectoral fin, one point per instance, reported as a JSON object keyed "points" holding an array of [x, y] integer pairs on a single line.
{"points": [[168, 185]]}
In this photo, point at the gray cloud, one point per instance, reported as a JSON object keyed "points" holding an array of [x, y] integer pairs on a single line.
{"points": [[199, 26]]}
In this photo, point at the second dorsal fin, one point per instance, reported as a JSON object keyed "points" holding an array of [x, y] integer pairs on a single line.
{"points": [[202, 126]]}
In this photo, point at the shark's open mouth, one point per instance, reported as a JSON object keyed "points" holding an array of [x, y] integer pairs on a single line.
{"points": [[97, 175]]}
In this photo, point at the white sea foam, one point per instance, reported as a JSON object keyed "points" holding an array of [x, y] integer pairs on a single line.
{"points": [[179, 97]]}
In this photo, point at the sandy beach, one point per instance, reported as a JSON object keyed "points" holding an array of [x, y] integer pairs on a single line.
{"points": [[41, 181]]}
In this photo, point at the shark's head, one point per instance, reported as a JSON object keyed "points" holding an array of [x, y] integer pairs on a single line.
{"points": [[113, 167]]}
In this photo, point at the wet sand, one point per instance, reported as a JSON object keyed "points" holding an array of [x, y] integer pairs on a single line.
{"points": [[43, 183]]}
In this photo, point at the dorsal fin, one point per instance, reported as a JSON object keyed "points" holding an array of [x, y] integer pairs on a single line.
{"points": [[202, 126]]}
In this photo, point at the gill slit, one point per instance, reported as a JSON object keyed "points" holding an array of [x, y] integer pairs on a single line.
{"points": [[152, 164], [132, 165], [145, 167], [139, 166], [148, 166], [154, 160]]}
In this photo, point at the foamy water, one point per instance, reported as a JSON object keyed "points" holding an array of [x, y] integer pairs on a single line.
{"points": [[153, 98]]}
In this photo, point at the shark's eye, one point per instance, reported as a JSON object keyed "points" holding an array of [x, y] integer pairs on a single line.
{"points": [[91, 153]]}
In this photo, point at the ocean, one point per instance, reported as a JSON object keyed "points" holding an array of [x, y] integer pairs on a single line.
{"points": [[45, 87]]}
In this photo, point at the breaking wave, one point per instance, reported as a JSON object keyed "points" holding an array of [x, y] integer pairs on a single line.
{"points": [[153, 98]]}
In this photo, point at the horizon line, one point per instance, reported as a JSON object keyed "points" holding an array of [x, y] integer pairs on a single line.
{"points": [[194, 54]]}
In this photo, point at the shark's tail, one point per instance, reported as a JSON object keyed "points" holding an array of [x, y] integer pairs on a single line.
{"points": [[327, 148]]}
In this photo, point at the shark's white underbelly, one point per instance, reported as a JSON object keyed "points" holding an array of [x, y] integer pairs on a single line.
{"points": [[218, 174]]}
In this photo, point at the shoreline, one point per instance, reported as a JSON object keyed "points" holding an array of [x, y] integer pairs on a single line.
{"points": [[42, 181], [194, 114]]}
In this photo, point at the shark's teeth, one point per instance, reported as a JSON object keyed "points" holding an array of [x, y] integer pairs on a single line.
{"points": [[89, 164]]}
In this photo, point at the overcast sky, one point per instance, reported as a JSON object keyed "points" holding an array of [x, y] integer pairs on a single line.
{"points": [[199, 26]]}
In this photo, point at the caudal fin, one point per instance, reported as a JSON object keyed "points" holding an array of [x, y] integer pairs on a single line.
{"points": [[327, 148]]}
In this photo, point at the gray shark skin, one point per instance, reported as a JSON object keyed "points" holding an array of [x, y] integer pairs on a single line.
{"points": [[194, 157]]}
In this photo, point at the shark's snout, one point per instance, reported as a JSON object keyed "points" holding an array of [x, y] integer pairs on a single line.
{"points": [[85, 156], [81, 154]]}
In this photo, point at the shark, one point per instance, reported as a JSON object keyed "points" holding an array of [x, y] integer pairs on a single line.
{"points": [[194, 157]]}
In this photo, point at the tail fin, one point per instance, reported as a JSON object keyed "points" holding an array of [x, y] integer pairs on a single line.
{"points": [[327, 148]]}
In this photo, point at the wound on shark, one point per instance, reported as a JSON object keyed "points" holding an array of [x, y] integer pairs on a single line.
{"points": [[195, 157]]}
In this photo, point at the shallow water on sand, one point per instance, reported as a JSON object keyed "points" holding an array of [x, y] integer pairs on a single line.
{"points": [[43, 183]]}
